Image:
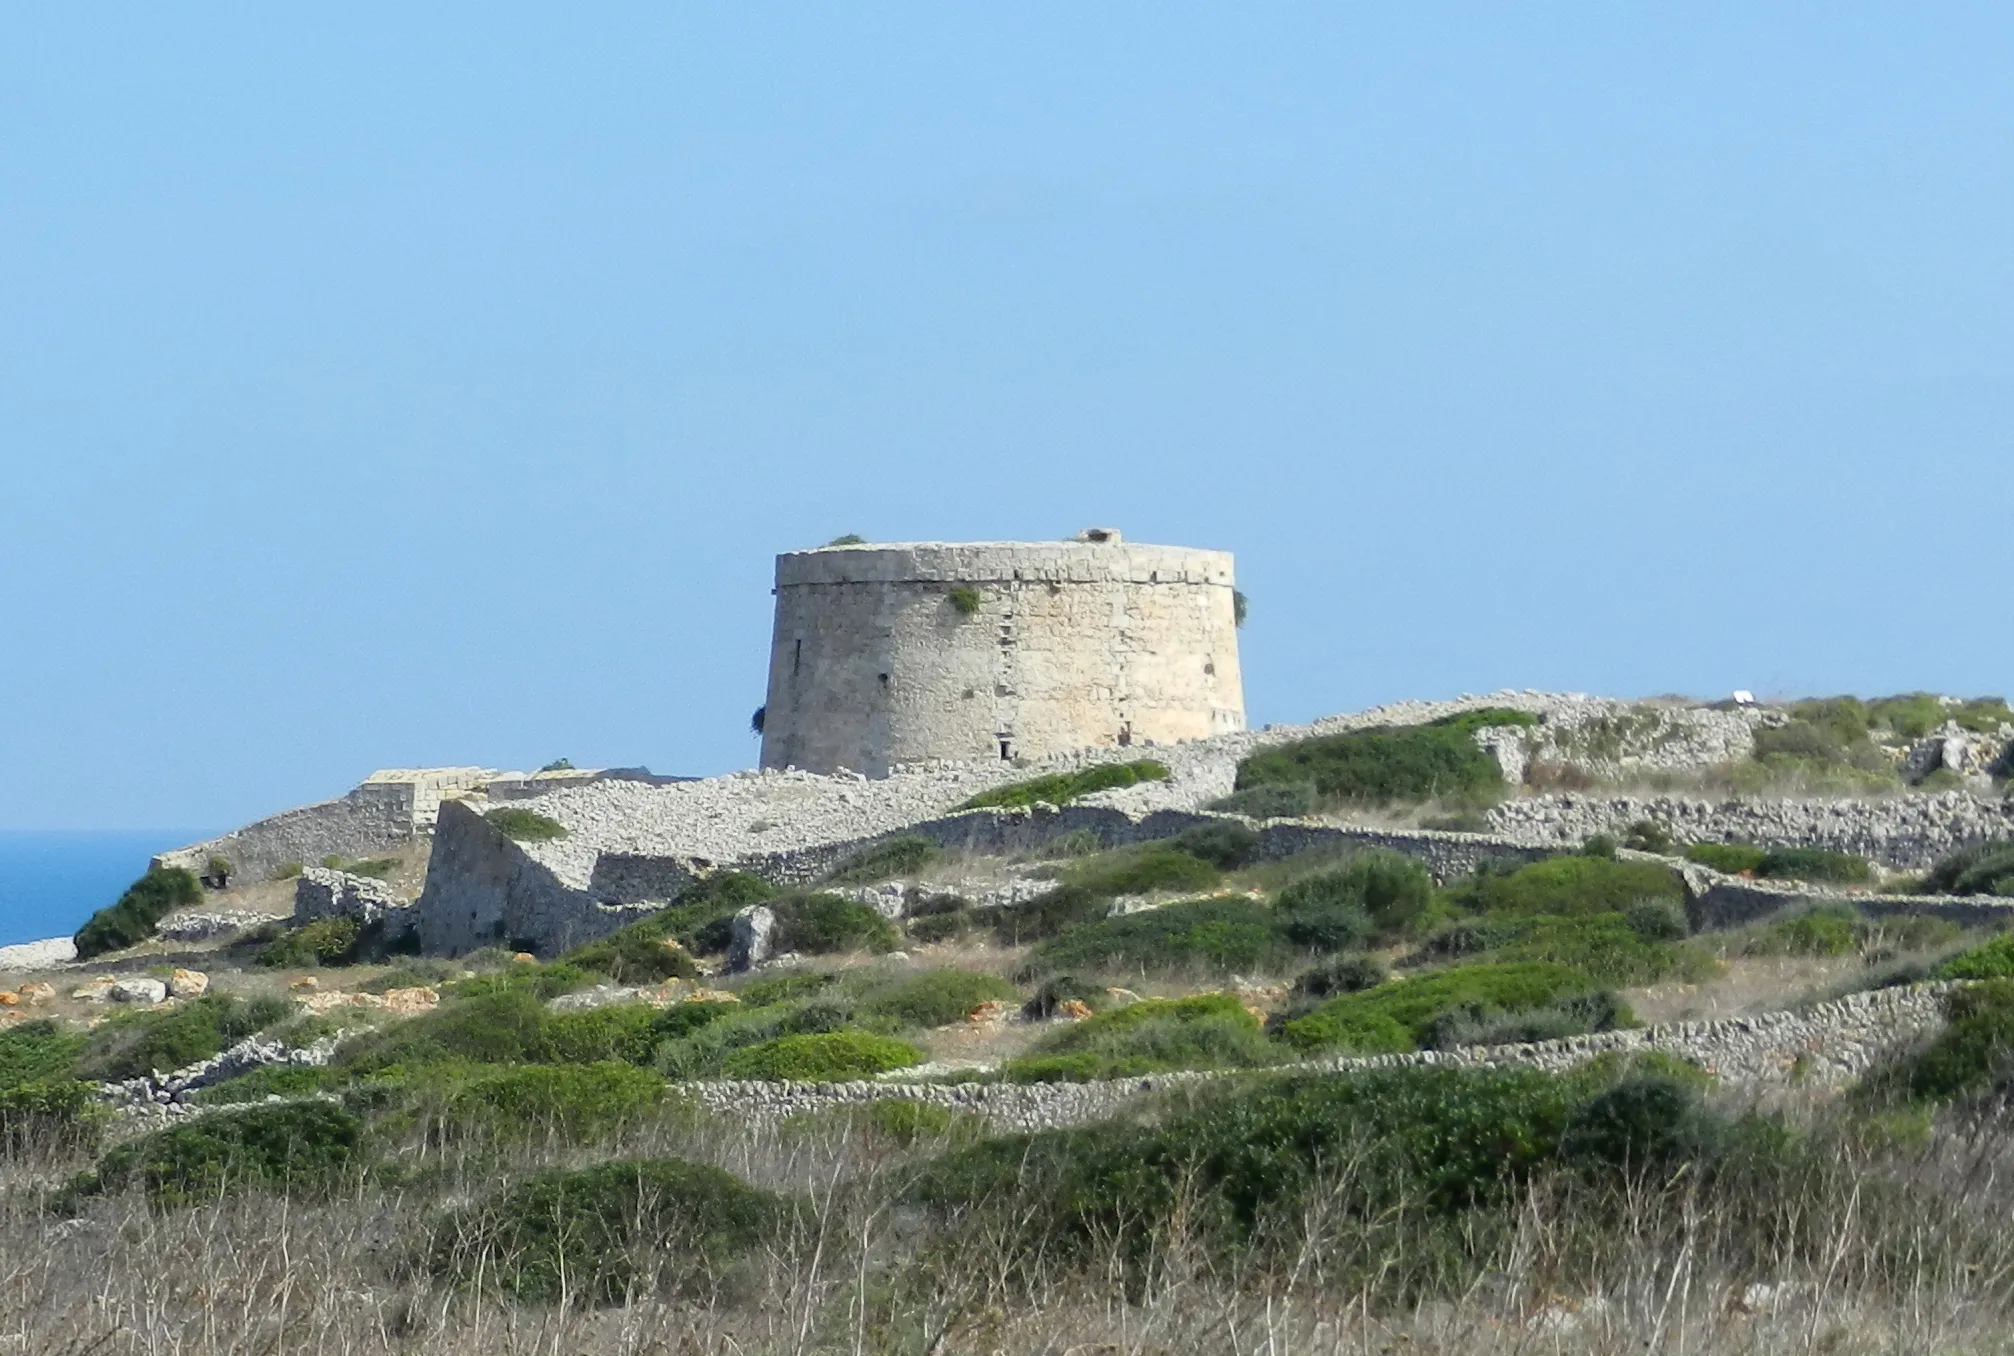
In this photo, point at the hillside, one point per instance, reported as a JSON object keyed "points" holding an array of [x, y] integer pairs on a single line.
{"points": [[1521, 1022]]}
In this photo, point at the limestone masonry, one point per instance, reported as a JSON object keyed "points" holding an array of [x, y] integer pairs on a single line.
{"points": [[898, 654]]}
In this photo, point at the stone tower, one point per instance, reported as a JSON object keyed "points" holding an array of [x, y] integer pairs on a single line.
{"points": [[892, 654]]}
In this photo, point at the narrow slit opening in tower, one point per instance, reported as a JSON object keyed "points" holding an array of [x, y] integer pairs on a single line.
{"points": [[1006, 750]]}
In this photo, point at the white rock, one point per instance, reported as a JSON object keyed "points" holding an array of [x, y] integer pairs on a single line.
{"points": [[139, 991], [750, 946], [37, 955]]}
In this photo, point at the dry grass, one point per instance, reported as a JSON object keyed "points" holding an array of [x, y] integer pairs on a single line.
{"points": [[1661, 1271]]}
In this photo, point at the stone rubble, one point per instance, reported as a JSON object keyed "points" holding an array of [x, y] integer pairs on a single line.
{"points": [[203, 927], [254, 1052]]}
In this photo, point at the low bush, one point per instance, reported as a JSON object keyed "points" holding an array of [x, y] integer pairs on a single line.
{"points": [[273, 1080], [1648, 836], [1390, 890], [1063, 787], [1211, 1031], [818, 925], [1644, 1124], [40, 1114], [1225, 846], [506, 1026], [637, 954], [1601, 845], [1570, 886], [1732, 858], [131, 1044], [576, 1102], [1392, 1016], [1440, 759], [1815, 864], [1198, 935], [607, 1233], [825, 1057], [1972, 1056], [133, 918], [543, 982], [1282, 800], [1821, 930], [525, 826], [298, 1146], [325, 941], [1047, 915], [1992, 959], [1344, 974], [628, 1032], [1475, 1024], [903, 856], [32, 1052], [1140, 870], [1658, 920], [1982, 869], [938, 918], [1608, 947], [936, 997]]}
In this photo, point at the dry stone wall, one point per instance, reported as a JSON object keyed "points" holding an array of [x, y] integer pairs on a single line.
{"points": [[322, 893], [1905, 833], [1826, 1046]]}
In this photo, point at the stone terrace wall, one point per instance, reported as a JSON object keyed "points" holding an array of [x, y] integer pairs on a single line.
{"points": [[373, 818], [1903, 833], [1827, 1046]]}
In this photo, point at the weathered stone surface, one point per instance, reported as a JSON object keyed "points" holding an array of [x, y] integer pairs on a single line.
{"points": [[323, 893], [751, 945], [139, 990], [188, 984]]}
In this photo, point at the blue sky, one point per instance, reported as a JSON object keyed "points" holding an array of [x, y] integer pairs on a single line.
{"points": [[434, 384]]}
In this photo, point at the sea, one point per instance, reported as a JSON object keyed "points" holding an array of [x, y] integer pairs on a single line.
{"points": [[51, 882]]}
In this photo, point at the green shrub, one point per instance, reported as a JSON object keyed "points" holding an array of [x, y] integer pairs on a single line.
{"points": [[1609, 947], [818, 925], [1731, 858], [33, 1052], [903, 856], [1344, 974], [1142, 869], [577, 1102], [1991, 959], [1282, 800], [1046, 915], [1600, 845], [700, 919], [273, 1080], [1970, 1056], [936, 997], [525, 826], [1571, 886], [848, 539], [1477, 1024], [1805, 863], [938, 918], [786, 988], [590, 1235], [908, 1123], [1648, 836], [326, 941], [1063, 787], [826, 1057], [1216, 935], [295, 1145], [1389, 763], [965, 599], [287, 871], [1821, 930], [1226, 846], [1389, 889], [1982, 869], [1658, 920], [501, 1027], [133, 918], [637, 954], [130, 1044], [628, 1032], [1210, 1031], [1391, 1016], [1644, 1123]]}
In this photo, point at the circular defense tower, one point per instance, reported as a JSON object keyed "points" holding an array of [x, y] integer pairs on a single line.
{"points": [[892, 654]]}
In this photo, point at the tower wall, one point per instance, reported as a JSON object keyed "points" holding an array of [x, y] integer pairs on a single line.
{"points": [[1067, 645]]}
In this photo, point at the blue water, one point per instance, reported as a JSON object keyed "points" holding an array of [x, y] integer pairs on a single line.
{"points": [[51, 882]]}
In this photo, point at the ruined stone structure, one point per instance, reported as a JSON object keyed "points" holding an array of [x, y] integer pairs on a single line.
{"points": [[897, 654]]}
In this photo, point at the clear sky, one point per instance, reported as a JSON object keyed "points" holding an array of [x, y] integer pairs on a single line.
{"points": [[421, 384]]}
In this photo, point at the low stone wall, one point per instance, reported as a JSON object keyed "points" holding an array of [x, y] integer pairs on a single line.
{"points": [[322, 893], [1903, 833], [373, 818], [1732, 901], [1826, 1046]]}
